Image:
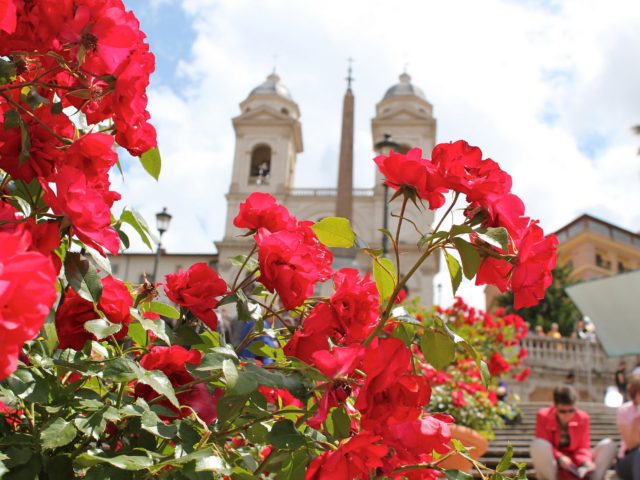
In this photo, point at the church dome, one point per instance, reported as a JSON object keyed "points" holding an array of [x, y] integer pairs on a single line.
{"points": [[404, 88], [271, 86]]}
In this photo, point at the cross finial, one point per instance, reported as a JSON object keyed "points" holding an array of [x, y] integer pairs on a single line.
{"points": [[349, 77], [275, 61], [406, 64]]}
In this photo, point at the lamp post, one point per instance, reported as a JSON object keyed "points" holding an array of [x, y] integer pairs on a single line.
{"points": [[163, 220], [384, 147]]}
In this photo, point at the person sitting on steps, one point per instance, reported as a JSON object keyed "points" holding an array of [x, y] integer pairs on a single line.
{"points": [[628, 467], [562, 447]]}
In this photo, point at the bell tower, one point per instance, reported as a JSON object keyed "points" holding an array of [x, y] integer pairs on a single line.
{"points": [[268, 140], [404, 119]]}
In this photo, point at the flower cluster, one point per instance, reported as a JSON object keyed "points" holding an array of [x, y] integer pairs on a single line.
{"points": [[58, 58], [521, 263], [459, 389], [291, 258]]}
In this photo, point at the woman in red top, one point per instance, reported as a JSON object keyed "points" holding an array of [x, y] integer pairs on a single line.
{"points": [[562, 447]]}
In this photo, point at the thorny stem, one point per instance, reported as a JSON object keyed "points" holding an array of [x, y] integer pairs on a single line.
{"points": [[401, 283], [235, 280], [397, 240], [64, 141]]}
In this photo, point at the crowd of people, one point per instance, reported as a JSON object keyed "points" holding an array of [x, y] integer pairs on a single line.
{"points": [[562, 445], [582, 331]]}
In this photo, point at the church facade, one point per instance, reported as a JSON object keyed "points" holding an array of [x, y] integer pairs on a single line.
{"points": [[269, 138]]}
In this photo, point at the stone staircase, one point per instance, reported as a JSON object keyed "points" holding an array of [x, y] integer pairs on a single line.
{"points": [[603, 425]]}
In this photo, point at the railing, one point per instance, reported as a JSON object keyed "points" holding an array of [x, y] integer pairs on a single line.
{"points": [[328, 192], [568, 354]]}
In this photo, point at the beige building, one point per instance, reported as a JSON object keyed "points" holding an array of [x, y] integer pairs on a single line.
{"points": [[595, 248], [268, 139], [132, 267]]}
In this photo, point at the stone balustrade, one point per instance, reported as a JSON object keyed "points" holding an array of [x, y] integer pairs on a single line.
{"points": [[551, 360], [328, 192]]}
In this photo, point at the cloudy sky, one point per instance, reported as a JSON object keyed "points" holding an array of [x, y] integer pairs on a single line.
{"points": [[549, 89]]}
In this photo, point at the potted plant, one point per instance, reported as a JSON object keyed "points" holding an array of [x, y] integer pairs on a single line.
{"points": [[458, 388]]}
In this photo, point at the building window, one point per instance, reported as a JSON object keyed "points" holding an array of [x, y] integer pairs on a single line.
{"points": [[260, 165], [601, 261], [115, 268]]}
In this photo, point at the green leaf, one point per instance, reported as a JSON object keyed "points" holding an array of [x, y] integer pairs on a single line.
{"points": [[484, 372], [152, 424], [455, 272], [505, 462], [214, 360], [83, 277], [334, 232], [438, 348], [159, 381], [284, 435], [469, 256], [138, 223], [341, 423], [25, 144], [95, 424], [230, 373], [163, 309], [249, 264], [460, 230], [151, 162], [12, 119], [57, 434], [158, 327], [119, 370], [102, 328], [457, 475], [498, 237], [138, 334], [7, 71], [384, 273], [125, 462]]}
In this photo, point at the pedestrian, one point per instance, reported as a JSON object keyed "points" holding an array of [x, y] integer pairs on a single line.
{"points": [[562, 447], [628, 466], [621, 379]]}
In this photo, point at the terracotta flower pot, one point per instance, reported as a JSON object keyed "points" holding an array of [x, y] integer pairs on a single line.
{"points": [[476, 444]]}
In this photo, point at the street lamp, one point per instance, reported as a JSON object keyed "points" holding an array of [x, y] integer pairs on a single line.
{"points": [[384, 147], [163, 220]]}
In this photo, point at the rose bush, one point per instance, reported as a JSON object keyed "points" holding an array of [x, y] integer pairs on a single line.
{"points": [[458, 388], [100, 380]]}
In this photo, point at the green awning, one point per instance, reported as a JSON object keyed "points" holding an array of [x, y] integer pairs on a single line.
{"points": [[613, 305]]}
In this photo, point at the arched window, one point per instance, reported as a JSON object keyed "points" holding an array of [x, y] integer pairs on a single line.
{"points": [[404, 148], [260, 165]]}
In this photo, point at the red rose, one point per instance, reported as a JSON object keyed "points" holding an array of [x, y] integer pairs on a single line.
{"points": [[87, 203], [357, 458], [532, 273], [523, 375], [320, 325], [7, 16], [172, 361], [412, 172], [498, 365], [197, 289], [291, 263], [414, 441], [356, 304], [27, 292], [260, 210], [71, 316]]}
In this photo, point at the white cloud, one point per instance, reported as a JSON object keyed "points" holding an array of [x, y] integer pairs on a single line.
{"points": [[531, 83]]}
